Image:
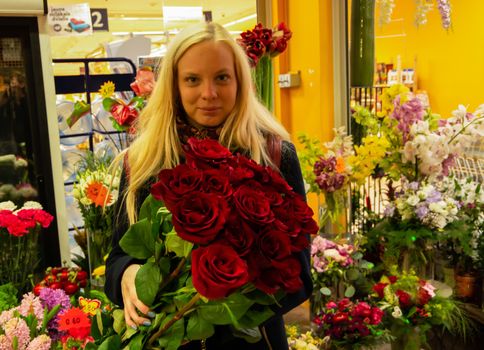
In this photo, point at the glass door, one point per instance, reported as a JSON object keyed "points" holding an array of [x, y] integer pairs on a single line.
{"points": [[25, 165]]}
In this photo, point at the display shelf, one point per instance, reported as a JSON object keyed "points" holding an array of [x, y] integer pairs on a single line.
{"points": [[94, 134]]}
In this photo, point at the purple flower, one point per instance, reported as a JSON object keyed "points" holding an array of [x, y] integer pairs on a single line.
{"points": [[50, 298], [407, 114], [422, 211], [444, 9], [413, 185], [389, 210], [434, 197]]}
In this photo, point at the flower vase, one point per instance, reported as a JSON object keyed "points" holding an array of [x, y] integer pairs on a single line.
{"points": [[18, 260], [97, 248], [262, 75], [406, 338]]}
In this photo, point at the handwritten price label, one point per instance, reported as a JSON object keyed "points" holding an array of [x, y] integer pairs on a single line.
{"points": [[73, 318]]}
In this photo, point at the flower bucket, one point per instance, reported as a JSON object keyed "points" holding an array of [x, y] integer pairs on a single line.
{"points": [[19, 258], [466, 286], [406, 339]]}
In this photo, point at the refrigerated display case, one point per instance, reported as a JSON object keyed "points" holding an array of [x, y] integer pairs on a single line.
{"points": [[24, 130]]}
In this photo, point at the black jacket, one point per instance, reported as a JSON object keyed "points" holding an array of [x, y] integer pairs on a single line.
{"points": [[118, 261]]}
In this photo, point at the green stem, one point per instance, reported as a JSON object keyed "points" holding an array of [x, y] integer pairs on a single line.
{"points": [[175, 318], [175, 273]]}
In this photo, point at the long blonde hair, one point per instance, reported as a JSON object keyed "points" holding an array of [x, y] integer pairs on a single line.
{"points": [[157, 145]]}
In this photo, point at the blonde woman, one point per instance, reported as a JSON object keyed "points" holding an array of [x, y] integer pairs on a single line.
{"points": [[204, 90]]}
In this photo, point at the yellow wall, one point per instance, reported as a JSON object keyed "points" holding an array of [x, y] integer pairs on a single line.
{"points": [[309, 107], [450, 65]]}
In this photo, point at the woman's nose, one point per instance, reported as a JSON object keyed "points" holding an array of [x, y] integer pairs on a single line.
{"points": [[209, 91]]}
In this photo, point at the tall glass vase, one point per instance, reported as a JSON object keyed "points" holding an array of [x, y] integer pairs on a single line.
{"points": [[98, 245], [262, 75], [18, 259]]}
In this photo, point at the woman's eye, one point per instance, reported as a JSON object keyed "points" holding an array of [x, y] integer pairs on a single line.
{"points": [[223, 77], [191, 80]]}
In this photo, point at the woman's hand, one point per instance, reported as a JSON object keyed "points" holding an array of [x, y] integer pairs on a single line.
{"points": [[133, 307]]}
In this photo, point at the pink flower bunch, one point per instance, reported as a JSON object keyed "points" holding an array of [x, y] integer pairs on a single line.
{"points": [[349, 321], [326, 254], [23, 221], [444, 9], [262, 41], [407, 114], [328, 175]]}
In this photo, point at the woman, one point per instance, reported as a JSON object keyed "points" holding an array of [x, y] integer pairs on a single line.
{"points": [[204, 89]]}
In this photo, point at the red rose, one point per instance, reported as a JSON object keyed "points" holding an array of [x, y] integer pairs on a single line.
{"points": [[362, 310], [175, 183], [331, 305], [267, 280], [205, 154], [423, 296], [344, 304], [378, 288], [242, 168], [199, 217], [404, 298], [340, 317], [124, 114], [376, 315], [216, 181], [392, 279], [217, 271], [273, 247], [238, 234], [253, 206], [290, 272]]}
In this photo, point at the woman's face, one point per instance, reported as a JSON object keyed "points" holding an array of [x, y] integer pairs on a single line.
{"points": [[207, 82]]}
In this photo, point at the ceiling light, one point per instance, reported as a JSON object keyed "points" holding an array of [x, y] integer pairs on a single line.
{"points": [[243, 19], [182, 13]]}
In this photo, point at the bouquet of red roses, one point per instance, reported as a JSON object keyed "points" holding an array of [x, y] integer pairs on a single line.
{"points": [[220, 234], [348, 323]]}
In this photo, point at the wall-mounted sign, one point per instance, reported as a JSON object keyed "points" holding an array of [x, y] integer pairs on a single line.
{"points": [[99, 18], [69, 20]]}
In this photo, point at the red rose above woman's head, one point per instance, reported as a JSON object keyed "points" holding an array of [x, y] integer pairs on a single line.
{"points": [[378, 288], [205, 154], [124, 114], [199, 217], [217, 270], [253, 206], [175, 183]]}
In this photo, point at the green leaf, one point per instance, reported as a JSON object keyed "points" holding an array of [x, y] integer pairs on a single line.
{"points": [[350, 291], [353, 274], [90, 346], [147, 282], [137, 342], [138, 241], [198, 328], [111, 343], [119, 324], [173, 337], [253, 318], [177, 245], [108, 103], [225, 311], [325, 291], [250, 335], [145, 210]]}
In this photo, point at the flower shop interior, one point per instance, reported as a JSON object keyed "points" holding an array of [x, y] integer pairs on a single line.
{"points": [[388, 128]]}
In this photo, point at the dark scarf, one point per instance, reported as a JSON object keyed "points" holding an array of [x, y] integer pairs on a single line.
{"points": [[186, 130]]}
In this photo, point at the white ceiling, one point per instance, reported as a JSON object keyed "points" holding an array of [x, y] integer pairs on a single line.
{"points": [[148, 15]]}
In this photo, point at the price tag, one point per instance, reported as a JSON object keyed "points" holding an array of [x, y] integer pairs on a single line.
{"points": [[99, 18], [73, 318]]}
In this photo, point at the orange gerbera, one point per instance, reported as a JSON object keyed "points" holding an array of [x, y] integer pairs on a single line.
{"points": [[340, 165], [97, 193]]}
